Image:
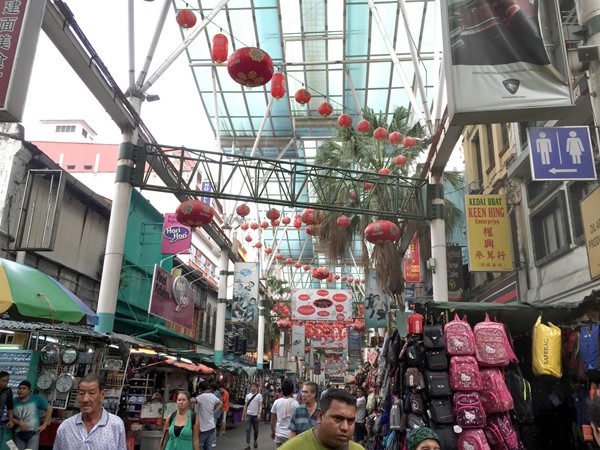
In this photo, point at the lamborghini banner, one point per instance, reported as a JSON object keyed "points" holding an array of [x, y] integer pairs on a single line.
{"points": [[498, 60]]}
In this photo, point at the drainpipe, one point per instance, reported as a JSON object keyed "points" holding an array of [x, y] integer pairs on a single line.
{"points": [[589, 16]]}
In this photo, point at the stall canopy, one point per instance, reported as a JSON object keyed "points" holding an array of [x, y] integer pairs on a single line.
{"points": [[190, 367], [518, 317], [27, 293]]}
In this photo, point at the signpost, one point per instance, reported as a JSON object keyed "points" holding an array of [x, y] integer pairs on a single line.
{"points": [[561, 153]]}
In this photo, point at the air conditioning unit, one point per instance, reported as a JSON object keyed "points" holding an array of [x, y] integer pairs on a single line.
{"points": [[474, 188]]}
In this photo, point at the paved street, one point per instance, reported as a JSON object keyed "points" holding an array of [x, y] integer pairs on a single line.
{"points": [[235, 438]]}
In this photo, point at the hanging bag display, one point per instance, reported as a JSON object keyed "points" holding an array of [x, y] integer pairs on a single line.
{"points": [[468, 410], [436, 360], [438, 384], [495, 396], [440, 411], [433, 337], [589, 349], [464, 374], [414, 323], [492, 347], [473, 440], [460, 340], [546, 349]]}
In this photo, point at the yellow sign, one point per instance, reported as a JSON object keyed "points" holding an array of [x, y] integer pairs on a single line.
{"points": [[590, 216], [488, 233]]}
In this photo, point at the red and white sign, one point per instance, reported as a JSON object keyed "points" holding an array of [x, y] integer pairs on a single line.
{"points": [[333, 341], [412, 264], [322, 304]]}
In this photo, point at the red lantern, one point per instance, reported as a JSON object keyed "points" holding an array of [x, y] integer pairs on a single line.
{"points": [[382, 231], [219, 48], [325, 109], [311, 230], [194, 213], [250, 67], [362, 281], [272, 214], [409, 142], [369, 186], [297, 265], [268, 250], [275, 223], [278, 85], [344, 278], [243, 210], [286, 220], [258, 245], [302, 96], [297, 221], [343, 221], [306, 268], [380, 133], [358, 325], [254, 225], [248, 238], [330, 278], [320, 273], [264, 225], [308, 216], [344, 120], [364, 126], [284, 324], [337, 277], [289, 260], [395, 138], [401, 160], [278, 256], [244, 226], [350, 279], [384, 171], [186, 18]]}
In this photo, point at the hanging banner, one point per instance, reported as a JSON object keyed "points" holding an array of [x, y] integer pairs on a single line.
{"points": [[171, 298], [354, 349], [330, 342], [244, 307], [488, 233], [376, 303], [412, 262], [497, 66], [298, 341], [176, 238], [335, 365], [322, 304], [456, 282], [317, 367], [309, 359]]}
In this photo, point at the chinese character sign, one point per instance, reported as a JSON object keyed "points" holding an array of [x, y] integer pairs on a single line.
{"points": [[488, 232], [176, 238], [412, 262], [245, 293]]}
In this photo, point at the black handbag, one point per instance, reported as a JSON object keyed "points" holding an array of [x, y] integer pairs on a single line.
{"points": [[440, 410], [436, 360], [433, 337], [438, 384]]}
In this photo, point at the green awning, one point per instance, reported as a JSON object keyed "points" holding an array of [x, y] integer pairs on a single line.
{"points": [[156, 330]]}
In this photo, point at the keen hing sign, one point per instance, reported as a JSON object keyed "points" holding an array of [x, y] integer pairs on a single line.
{"points": [[20, 24]]}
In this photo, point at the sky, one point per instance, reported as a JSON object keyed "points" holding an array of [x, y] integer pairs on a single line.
{"points": [[56, 92]]}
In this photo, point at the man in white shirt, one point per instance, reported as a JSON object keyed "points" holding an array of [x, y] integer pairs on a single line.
{"points": [[281, 414], [360, 429], [251, 413], [208, 404]]}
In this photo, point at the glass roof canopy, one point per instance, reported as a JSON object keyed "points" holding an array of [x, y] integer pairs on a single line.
{"points": [[333, 48]]}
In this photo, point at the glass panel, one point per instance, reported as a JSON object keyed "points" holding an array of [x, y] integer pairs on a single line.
{"points": [[290, 18]]}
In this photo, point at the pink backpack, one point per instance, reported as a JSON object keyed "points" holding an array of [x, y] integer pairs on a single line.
{"points": [[472, 440], [495, 396], [492, 347], [501, 434], [459, 337], [464, 374], [468, 410]]}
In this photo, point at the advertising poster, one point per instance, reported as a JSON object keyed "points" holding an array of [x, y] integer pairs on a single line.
{"points": [[376, 303], [456, 283], [497, 60], [176, 238], [322, 304], [334, 341], [412, 262], [171, 298], [298, 341], [488, 233], [354, 349], [244, 307]]}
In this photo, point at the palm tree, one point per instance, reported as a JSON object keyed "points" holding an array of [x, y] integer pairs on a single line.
{"points": [[349, 149]]}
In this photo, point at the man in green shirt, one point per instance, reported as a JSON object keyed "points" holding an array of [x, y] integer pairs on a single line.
{"points": [[335, 425]]}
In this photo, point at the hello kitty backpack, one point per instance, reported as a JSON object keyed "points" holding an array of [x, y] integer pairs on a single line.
{"points": [[460, 340], [492, 347]]}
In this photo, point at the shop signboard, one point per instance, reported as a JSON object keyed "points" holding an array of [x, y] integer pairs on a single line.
{"points": [[412, 262], [298, 341], [497, 65], [488, 232], [20, 22], [456, 282], [334, 341], [171, 298], [322, 304], [176, 238], [245, 293], [376, 303], [590, 216], [205, 186]]}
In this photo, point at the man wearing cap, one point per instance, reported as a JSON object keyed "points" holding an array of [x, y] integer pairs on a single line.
{"points": [[26, 417], [423, 439]]}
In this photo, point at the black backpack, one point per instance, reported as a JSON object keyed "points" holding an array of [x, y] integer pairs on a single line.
{"points": [[520, 390]]}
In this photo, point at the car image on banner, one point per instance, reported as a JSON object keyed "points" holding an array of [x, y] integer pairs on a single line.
{"points": [[322, 304]]}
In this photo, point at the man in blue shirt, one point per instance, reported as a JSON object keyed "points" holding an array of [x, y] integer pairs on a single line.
{"points": [[26, 417], [94, 427], [305, 416]]}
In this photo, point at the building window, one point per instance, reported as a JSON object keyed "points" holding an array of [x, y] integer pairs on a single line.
{"points": [[577, 191], [490, 146], [208, 327], [214, 319], [65, 128], [550, 229], [88, 167], [84, 133], [477, 156], [70, 167], [504, 135]]}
